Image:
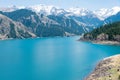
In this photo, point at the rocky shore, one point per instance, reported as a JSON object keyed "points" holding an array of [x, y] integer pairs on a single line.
{"points": [[107, 42], [107, 69], [101, 39]]}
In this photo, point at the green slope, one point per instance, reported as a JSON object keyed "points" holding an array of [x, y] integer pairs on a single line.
{"points": [[110, 32]]}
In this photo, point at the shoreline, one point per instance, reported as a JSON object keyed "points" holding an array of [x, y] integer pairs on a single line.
{"points": [[37, 38], [106, 42], [107, 68]]}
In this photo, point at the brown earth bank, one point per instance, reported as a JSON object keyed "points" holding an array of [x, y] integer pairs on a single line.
{"points": [[107, 69]]}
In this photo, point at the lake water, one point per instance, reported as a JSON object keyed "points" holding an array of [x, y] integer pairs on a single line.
{"points": [[50, 58]]}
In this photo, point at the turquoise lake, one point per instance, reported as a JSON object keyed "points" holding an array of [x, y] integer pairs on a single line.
{"points": [[59, 58]]}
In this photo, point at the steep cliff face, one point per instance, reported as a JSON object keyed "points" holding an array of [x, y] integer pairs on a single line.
{"points": [[11, 29], [107, 69]]}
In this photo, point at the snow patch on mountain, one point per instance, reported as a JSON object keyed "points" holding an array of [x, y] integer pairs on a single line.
{"points": [[79, 11], [105, 13], [41, 8], [52, 10], [49, 10]]}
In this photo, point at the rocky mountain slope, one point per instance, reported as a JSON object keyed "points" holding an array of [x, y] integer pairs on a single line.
{"points": [[45, 26], [107, 69], [12, 29], [39, 25]]}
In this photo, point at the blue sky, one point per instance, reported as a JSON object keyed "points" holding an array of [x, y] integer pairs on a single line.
{"points": [[90, 4]]}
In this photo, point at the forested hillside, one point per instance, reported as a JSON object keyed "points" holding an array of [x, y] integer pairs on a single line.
{"points": [[109, 32]]}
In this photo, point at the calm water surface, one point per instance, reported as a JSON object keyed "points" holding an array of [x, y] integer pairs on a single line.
{"points": [[50, 58]]}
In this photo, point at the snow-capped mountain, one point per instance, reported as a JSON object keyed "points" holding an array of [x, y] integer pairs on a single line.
{"points": [[46, 21], [47, 10], [41, 8], [52, 10], [101, 13], [105, 13], [79, 11], [79, 15]]}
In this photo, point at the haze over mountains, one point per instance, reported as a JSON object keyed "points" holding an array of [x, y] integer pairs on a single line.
{"points": [[49, 21]]}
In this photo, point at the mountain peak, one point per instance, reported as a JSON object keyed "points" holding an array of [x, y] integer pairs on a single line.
{"points": [[105, 13], [42, 8], [102, 14], [79, 11]]}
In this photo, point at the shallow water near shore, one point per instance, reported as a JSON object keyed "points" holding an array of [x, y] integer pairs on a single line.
{"points": [[59, 58]]}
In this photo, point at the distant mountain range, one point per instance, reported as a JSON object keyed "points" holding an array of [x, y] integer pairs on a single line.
{"points": [[49, 21], [52, 10]]}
